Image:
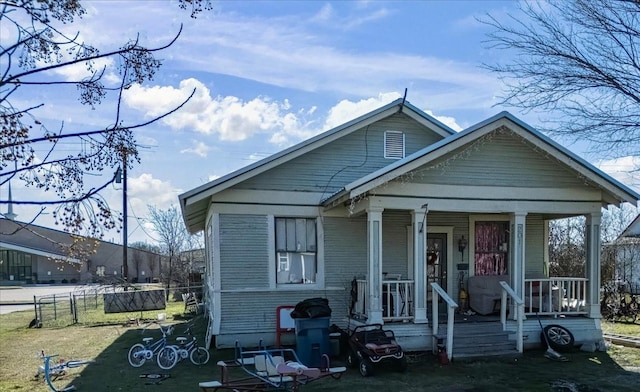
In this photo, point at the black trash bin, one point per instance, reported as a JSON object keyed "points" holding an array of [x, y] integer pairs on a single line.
{"points": [[312, 340]]}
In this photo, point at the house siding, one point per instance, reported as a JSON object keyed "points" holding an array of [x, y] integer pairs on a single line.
{"points": [[394, 242], [534, 246], [499, 159], [328, 168], [244, 251]]}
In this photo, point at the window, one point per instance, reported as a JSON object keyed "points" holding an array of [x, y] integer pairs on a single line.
{"points": [[100, 270], [393, 145], [296, 251], [491, 248]]}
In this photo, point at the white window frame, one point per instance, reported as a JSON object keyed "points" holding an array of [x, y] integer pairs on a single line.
{"points": [[388, 153], [273, 262]]}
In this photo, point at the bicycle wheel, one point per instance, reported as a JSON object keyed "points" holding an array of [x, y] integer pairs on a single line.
{"points": [[167, 357], [136, 355], [199, 356]]}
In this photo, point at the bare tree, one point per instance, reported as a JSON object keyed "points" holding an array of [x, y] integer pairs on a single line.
{"points": [[567, 247], [173, 237], [33, 43], [579, 59]]}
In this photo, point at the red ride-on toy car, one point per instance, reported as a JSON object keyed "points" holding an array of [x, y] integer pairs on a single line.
{"points": [[370, 345]]}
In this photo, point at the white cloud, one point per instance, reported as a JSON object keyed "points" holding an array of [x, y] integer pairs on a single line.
{"points": [[347, 110], [199, 148], [446, 120], [230, 118], [624, 169], [146, 190]]}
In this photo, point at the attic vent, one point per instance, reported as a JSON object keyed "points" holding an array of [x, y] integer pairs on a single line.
{"points": [[393, 145]]}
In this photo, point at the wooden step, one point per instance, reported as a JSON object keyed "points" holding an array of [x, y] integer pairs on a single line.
{"points": [[473, 340]]}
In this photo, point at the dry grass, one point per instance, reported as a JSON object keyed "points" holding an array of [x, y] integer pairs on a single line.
{"points": [[109, 344]]}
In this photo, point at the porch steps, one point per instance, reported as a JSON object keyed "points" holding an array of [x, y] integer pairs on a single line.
{"points": [[480, 339]]}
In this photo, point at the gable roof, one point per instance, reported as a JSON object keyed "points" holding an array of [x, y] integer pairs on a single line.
{"points": [[195, 203], [615, 192], [633, 230]]}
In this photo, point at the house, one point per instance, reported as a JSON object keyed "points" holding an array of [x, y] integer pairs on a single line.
{"points": [[36, 254], [625, 255], [394, 212]]}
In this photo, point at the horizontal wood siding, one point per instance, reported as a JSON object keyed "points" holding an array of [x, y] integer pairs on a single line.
{"points": [[534, 246], [345, 250], [394, 242], [255, 313], [502, 159], [244, 259], [328, 168]]}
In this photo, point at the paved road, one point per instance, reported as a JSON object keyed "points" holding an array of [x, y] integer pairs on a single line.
{"points": [[13, 299]]}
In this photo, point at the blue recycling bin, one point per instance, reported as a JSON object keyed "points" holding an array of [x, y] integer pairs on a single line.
{"points": [[312, 340]]}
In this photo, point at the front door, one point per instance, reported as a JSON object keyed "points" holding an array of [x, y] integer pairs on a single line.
{"points": [[436, 260]]}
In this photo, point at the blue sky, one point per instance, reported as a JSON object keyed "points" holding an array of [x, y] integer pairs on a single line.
{"points": [[270, 74]]}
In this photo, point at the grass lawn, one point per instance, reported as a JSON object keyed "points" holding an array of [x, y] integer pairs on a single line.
{"points": [[109, 343]]}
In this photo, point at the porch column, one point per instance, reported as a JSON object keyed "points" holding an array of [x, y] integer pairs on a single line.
{"points": [[592, 272], [518, 236], [419, 268], [374, 253]]}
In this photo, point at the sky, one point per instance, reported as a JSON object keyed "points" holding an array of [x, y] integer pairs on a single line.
{"points": [[270, 74]]}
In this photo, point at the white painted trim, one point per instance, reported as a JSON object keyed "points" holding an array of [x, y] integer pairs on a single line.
{"points": [[320, 265], [254, 196], [410, 259], [448, 230], [271, 250], [498, 206], [292, 211], [490, 192], [217, 298]]}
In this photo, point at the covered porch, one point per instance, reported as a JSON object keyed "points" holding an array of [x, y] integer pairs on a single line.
{"points": [[420, 261], [560, 297]]}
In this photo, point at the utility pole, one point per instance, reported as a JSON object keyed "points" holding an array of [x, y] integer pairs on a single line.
{"points": [[125, 265], [121, 177]]}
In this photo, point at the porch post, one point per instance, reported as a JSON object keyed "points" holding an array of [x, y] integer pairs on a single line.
{"points": [[374, 253], [593, 264], [518, 236], [419, 259]]}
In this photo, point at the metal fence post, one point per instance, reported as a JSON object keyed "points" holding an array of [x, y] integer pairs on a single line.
{"points": [[55, 308]]}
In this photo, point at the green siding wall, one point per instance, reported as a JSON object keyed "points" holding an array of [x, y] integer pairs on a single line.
{"points": [[244, 258], [329, 168], [502, 159]]}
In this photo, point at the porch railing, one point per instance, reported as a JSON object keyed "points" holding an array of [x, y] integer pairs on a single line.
{"points": [[451, 310], [555, 296], [397, 299], [518, 304]]}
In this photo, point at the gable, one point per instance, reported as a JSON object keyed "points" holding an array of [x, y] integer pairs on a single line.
{"points": [[328, 168], [481, 155], [499, 158]]}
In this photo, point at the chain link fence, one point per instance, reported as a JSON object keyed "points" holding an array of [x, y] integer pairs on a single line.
{"points": [[84, 303]]}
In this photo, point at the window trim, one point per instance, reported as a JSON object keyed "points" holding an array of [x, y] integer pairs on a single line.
{"points": [[272, 259]]}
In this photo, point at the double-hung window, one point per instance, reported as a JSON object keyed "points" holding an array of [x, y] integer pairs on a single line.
{"points": [[296, 251]]}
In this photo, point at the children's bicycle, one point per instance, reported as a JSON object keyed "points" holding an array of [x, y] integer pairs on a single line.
{"points": [[188, 348], [166, 355], [52, 371]]}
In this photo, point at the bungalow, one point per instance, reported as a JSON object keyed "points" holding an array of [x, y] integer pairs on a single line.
{"points": [[395, 218]]}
